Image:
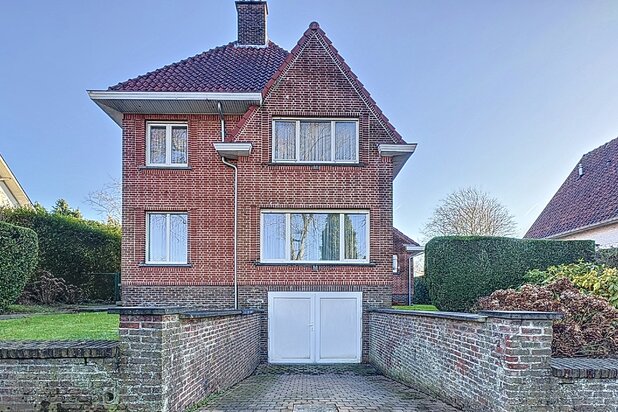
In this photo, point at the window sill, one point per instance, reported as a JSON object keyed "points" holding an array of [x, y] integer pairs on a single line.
{"points": [[315, 165], [164, 167], [365, 264], [165, 265]]}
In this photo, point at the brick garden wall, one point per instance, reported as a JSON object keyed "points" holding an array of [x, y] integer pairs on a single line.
{"points": [[498, 361], [59, 376]]}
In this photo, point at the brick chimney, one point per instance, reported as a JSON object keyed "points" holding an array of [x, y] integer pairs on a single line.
{"points": [[252, 22]]}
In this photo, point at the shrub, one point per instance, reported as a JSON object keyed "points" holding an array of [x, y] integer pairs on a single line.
{"points": [[461, 269], [608, 257], [73, 249], [421, 293], [18, 259], [46, 289], [590, 323], [591, 278]]}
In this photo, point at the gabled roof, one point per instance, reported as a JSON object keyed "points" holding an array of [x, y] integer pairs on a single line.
{"points": [[583, 201], [400, 237], [229, 68], [9, 182]]}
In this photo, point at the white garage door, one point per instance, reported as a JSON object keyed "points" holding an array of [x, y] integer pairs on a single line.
{"points": [[314, 327]]}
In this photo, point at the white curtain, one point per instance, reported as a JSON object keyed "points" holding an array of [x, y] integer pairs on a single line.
{"points": [[285, 140], [179, 144], [273, 236], [315, 143], [157, 238], [178, 238], [157, 144], [345, 140]]}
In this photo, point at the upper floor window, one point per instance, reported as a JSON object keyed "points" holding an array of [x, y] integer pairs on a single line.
{"points": [[315, 236], [315, 141], [166, 144], [166, 238]]}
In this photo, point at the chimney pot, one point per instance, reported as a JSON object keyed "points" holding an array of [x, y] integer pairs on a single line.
{"points": [[252, 22]]}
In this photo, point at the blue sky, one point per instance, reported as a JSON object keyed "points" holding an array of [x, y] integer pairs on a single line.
{"points": [[502, 95]]}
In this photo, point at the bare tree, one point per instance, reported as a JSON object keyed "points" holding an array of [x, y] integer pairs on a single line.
{"points": [[107, 201], [470, 211]]}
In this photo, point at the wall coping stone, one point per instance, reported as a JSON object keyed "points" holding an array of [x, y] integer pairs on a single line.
{"points": [[198, 314], [595, 368], [58, 349], [469, 317], [521, 315], [148, 310]]}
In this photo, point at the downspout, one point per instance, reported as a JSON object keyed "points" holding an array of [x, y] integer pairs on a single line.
{"points": [[233, 166], [410, 277]]}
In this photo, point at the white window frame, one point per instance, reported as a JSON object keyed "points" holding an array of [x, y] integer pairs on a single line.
{"points": [[167, 246], [395, 263], [168, 143], [289, 212], [297, 121]]}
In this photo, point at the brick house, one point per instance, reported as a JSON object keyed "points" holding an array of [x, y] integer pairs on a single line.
{"points": [[254, 177], [586, 205], [404, 250]]}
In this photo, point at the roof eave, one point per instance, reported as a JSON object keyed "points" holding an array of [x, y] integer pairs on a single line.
{"points": [[399, 152], [414, 250], [17, 191], [117, 103], [606, 222]]}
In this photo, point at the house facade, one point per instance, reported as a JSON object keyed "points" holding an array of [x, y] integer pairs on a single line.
{"points": [[404, 251], [259, 178], [11, 192], [586, 205]]}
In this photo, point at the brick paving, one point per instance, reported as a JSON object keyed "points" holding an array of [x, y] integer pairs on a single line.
{"points": [[329, 388]]}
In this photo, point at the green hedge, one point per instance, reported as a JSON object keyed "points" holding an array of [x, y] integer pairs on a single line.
{"points": [[461, 269], [73, 249], [421, 293], [18, 259]]}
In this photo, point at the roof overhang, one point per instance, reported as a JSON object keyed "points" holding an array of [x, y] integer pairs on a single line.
{"points": [[117, 103], [414, 250], [399, 152], [10, 182], [233, 150], [592, 226]]}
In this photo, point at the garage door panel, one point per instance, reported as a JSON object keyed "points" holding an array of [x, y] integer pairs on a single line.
{"points": [[338, 339], [292, 334]]}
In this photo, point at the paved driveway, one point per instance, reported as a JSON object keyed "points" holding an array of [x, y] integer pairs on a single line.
{"points": [[321, 389]]}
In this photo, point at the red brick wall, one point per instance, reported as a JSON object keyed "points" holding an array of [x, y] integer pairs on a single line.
{"points": [[312, 86], [400, 278]]}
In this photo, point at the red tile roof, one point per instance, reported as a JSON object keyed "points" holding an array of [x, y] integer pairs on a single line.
{"points": [[585, 200], [226, 68], [400, 238]]}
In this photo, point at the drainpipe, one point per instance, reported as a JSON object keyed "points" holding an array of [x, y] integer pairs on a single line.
{"points": [[233, 166], [410, 278]]}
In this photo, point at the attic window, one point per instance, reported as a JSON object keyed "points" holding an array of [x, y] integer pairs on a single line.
{"points": [[166, 145], [315, 141]]}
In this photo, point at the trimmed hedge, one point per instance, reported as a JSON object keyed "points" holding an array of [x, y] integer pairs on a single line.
{"points": [[461, 269], [18, 259], [421, 293], [73, 249]]}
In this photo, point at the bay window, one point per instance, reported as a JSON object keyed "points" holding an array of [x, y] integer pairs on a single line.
{"points": [[315, 236], [315, 141], [166, 238], [166, 144]]}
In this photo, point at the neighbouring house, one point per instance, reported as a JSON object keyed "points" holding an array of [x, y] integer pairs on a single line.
{"points": [[11, 192], [586, 205], [254, 177], [404, 251]]}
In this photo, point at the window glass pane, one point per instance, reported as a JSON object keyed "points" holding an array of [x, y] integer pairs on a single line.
{"points": [[315, 141], [355, 235], [285, 140], [179, 144], [345, 140], [157, 144], [178, 238], [273, 242], [157, 239], [314, 236]]}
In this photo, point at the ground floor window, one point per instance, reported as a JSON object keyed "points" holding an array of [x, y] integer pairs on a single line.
{"points": [[315, 236], [166, 238]]}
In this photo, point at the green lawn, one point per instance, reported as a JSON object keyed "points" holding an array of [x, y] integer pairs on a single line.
{"points": [[70, 326], [430, 308]]}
